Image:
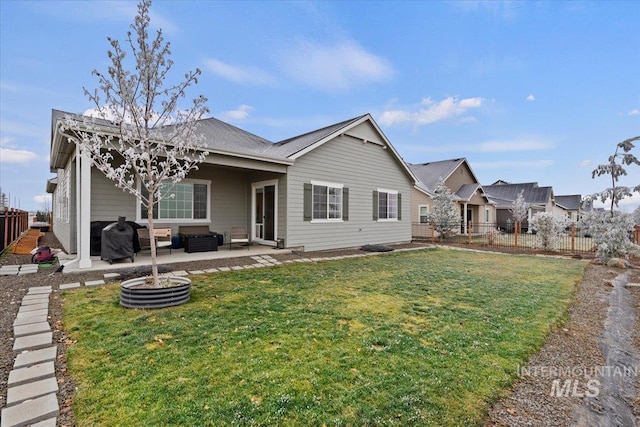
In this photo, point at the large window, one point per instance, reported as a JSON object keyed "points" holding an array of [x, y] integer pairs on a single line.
{"points": [[327, 201], [190, 201], [387, 205]]}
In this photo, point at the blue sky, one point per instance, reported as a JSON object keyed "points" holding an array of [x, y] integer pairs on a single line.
{"points": [[526, 91]]}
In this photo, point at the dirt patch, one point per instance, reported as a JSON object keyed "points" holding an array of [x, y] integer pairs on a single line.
{"points": [[563, 385]]}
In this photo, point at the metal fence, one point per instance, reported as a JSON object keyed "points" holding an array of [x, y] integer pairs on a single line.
{"points": [[13, 222], [502, 236]]}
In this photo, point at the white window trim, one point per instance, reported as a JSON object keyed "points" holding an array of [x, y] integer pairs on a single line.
{"points": [[327, 220], [207, 220], [420, 214], [382, 190]]}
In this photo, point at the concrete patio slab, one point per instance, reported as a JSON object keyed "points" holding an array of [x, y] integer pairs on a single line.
{"points": [[28, 358], [31, 412]]}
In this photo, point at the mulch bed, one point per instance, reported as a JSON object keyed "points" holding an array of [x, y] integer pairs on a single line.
{"points": [[528, 403]]}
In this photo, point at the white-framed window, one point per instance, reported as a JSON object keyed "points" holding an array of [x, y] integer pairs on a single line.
{"points": [[387, 205], [423, 214], [190, 202], [327, 201]]}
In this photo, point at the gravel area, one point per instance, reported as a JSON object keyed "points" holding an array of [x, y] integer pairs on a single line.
{"points": [[529, 403]]}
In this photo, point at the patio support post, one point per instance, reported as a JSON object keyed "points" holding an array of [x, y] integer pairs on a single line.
{"points": [[84, 213]]}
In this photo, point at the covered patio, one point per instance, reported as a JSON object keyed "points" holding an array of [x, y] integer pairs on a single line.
{"points": [[165, 257]]}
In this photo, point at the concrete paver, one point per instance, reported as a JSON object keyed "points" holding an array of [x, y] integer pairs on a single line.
{"points": [[33, 341], [31, 411], [31, 390], [94, 282], [33, 301], [33, 313], [31, 357], [31, 373], [29, 320], [33, 328], [70, 286], [32, 307]]}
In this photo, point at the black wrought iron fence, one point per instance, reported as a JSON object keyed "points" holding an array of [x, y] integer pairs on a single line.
{"points": [[501, 235]]}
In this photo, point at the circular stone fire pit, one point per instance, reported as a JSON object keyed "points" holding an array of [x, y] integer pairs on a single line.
{"points": [[133, 293]]}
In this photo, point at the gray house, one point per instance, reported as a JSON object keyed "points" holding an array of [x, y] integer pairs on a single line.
{"points": [[503, 194], [571, 205], [340, 186]]}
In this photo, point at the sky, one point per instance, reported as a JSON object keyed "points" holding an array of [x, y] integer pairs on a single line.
{"points": [[526, 91]]}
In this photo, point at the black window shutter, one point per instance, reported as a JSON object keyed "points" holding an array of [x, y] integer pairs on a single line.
{"points": [[345, 204], [308, 201], [375, 205], [399, 206]]}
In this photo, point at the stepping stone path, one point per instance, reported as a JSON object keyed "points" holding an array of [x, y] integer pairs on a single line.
{"points": [[32, 384], [15, 270]]}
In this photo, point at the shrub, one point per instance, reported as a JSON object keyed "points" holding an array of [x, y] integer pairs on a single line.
{"points": [[549, 228]]}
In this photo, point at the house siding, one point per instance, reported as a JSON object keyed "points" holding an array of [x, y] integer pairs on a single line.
{"points": [[109, 202], [362, 167], [65, 224]]}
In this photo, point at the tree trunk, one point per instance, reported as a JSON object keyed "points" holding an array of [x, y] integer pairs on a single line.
{"points": [[152, 238]]}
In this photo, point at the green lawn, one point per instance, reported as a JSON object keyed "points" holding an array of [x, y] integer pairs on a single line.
{"points": [[427, 337]]}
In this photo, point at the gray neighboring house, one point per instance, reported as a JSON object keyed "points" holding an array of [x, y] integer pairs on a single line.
{"points": [[341, 186], [572, 205], [503, 194]]}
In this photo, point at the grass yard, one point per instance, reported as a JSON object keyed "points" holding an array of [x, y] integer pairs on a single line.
{"points": [[428, 337]]}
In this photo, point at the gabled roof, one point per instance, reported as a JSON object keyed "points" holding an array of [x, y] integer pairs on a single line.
{"points": [[292, 146], [571, 202], [431, 173], [533, 195], [467, 191], [226, 139]]}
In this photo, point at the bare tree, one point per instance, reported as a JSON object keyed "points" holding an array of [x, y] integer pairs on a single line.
{"points": [[155, 140], [616, 168]]}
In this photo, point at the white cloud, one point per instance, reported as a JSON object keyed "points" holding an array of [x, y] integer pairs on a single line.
{"points": [[8, 155], [238, 74], [334, 67], [531, 98], [42, 199], [634, 112], [430, 111], [239, 114]]}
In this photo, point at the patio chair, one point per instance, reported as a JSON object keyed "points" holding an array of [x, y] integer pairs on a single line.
{"points": [[163, 238], [238, 235]]}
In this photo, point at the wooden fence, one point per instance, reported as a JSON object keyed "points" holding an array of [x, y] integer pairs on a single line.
{"points": [[504, 236], [13, 222]]}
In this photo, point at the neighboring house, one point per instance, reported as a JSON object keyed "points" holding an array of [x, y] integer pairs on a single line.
{"points": [[340, 186], [473, 204], [571, 205], [503, 194]]}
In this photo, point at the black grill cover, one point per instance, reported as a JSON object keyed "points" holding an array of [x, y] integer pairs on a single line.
{"points": [[117, 241]]}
